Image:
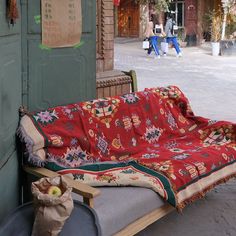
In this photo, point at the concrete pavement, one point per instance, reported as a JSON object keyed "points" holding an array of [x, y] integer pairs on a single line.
{"points": [[210, 84]]}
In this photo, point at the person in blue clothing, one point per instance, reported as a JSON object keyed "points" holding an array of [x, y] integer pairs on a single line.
{"points": [[170, 36], [153, 38]]}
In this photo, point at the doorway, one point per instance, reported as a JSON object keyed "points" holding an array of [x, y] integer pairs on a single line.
{"points": [[128, 19]]}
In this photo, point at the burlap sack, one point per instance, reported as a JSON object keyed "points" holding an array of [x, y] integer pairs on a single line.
{"points": [[50, 212]]}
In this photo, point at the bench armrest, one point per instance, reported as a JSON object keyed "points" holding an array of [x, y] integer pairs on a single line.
{"points": [[86, 191]]}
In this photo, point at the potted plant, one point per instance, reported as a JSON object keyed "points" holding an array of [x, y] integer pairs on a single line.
{"points": [[182, 38], [216, 28], [228, 36]]}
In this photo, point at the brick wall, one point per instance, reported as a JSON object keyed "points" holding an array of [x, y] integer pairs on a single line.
{"points": [[105, 35]]}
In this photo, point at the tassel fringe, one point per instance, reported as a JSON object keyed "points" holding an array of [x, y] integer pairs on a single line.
{"points": [[202, 194], [32, 158]]}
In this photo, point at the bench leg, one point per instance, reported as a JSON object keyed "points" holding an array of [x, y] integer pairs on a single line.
{"points": [[89, 201]]}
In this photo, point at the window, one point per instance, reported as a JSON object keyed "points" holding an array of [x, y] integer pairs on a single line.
{"points": [[178, 8]]}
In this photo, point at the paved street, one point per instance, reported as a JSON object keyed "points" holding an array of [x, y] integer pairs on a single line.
{"points": [[210, 84]]}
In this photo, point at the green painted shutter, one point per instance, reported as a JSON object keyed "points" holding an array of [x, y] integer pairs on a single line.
{"points": [[38, 79], [58, 76], [10, 100]]}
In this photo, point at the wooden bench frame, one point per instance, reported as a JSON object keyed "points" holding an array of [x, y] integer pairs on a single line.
{"points": [[121, 82], [89, 193]]}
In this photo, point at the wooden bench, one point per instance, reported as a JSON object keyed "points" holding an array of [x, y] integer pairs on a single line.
{"points": [[90, 193], [150, 139], [107, 85]]}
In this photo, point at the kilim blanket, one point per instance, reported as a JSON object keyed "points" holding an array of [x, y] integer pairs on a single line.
{"points": [[150, 139]]}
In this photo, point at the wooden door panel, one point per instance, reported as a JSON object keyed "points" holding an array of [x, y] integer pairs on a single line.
{"points": [[134, 22], [61, 75], [10, 93], [123, 23], [10, 101], [128, 19]]}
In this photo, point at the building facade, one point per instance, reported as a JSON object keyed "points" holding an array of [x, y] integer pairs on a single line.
{"points": [[131, 18], [109, 81], [105, 35]]}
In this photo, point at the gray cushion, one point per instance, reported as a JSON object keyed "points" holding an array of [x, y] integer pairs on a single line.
{"points": [[117, 207]]}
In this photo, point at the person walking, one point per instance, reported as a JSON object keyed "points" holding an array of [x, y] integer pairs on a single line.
{"points": [[153, 38], [170, 36]]}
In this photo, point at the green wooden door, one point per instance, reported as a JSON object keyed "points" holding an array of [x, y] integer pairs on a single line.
{"points": [[57, 76], [10, 100], [38, 79]]}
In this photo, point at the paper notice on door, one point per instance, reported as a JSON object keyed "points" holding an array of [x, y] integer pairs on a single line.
{"points": [[61, 23]]}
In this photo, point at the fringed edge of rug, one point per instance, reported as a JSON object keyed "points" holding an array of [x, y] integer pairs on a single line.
{"points": [[202, 194], [35, 161], [24, 138], [33, 158]]}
